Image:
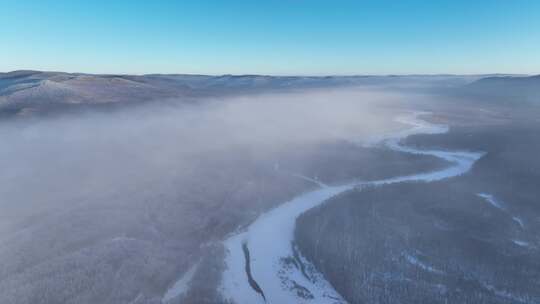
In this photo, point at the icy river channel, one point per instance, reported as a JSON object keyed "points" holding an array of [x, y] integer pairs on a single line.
{"points": [[257, 270]]}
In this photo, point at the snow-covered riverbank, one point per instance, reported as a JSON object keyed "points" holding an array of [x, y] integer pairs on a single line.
{"points": [[270, 237]]}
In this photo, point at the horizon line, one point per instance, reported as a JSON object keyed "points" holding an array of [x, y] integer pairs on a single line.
{"points": [[272, 75]]}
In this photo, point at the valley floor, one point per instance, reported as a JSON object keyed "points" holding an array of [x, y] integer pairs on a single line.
{"points": [[469, 239]]}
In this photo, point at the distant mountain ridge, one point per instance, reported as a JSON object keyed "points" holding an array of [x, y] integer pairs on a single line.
{"points": [[507, 89], [23, 92]]}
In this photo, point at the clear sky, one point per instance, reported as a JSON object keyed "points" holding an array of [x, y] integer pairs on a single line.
{"points": [[271, 36]]}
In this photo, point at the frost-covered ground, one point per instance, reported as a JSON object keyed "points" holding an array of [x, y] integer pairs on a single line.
{"points": [[270, 238], [468, 239], [114, 203]]}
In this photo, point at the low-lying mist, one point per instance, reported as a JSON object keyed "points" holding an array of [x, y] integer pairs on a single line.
{"points": [[51, 161], [86, 199]]}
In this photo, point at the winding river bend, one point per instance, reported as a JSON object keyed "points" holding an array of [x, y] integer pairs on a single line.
{"points": [[274, 263]]}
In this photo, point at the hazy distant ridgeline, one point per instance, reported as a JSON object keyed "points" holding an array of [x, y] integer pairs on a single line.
{"points": [[25, 92], [511, 90]]}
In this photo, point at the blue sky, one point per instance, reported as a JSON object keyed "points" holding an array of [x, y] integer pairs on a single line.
{"points": [[287, 37]]}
